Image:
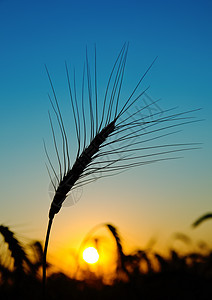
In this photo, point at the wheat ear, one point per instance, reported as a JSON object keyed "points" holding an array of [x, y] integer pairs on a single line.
{"points": [[110, 138], [17, 251]]}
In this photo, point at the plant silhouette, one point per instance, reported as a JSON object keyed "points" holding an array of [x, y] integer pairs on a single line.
{"points": [[112, 135], [176, 276], [202, 219]]}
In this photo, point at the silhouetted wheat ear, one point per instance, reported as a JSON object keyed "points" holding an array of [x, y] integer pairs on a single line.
{"points": [[17, 251], [120, 253], [37, 249], [78, 168], [112, 135]]}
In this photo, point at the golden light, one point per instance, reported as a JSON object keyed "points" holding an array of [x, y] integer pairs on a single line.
{"points": [[90, 255]]}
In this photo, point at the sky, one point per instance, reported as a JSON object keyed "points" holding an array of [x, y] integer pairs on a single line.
{"points": [[152, 201]]}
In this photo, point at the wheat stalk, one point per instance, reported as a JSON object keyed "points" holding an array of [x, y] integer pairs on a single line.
{"points": [[112, 137]]}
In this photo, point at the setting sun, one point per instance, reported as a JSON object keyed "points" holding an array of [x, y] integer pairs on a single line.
{"points": [[90, 255]]}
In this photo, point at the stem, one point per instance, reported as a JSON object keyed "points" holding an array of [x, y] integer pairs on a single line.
{"points": [[44, 257]]}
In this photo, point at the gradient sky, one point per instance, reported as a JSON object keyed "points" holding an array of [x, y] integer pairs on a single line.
{"points": [[151, 201]]}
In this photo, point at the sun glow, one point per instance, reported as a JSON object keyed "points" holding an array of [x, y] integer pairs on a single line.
{"points": [[90, 255]]}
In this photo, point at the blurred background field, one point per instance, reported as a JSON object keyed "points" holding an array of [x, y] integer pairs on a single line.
{"points": [[139, 274]]}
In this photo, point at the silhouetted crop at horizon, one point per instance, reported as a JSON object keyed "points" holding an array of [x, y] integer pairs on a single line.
{"points": [[148, 274]]}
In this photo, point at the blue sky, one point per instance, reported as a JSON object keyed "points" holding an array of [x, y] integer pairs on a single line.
{"points": [[157, 199]]}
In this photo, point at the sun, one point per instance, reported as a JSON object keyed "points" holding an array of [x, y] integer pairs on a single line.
{"points": [[90, 255]]}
